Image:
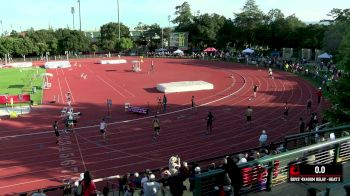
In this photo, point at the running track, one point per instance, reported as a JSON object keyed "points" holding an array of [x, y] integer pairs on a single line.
{"points": [[30, 159]]}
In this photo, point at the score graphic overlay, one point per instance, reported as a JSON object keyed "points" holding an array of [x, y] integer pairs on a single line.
{"points": [[315, 173]]}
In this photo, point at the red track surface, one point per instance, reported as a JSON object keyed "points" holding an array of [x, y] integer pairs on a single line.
{"points": [[30, 159]]}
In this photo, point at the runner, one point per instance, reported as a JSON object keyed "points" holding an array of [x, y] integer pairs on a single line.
{"points": [[103, 127], [55, 128], [249, 114], [69, 97], [210, 120], [286, 110], [270, 73], [156, 127], [308, 106], [255, 89]]}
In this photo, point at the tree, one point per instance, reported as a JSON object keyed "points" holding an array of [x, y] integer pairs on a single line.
{"points": [[184, 17], [339, 15], [23, 46], [206, 28], [43, 39], [248, 21], [340, 91], [71, 40], [110, 35], [124, 44]]}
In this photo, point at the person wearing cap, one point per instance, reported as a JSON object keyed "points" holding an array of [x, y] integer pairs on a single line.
{"points": [[151, 187], [263, 138], [319, 95]]}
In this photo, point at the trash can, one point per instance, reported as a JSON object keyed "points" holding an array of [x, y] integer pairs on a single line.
{"points": [[34, 89]]}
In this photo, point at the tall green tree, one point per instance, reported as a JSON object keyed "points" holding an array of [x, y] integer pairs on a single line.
{"points": [[124, 44], [110, 35], [340, 91], [206, 28], [71, 40], [44, 41], [184, 15], [248, 21]]}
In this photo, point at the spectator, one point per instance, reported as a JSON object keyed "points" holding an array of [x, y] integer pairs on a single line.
{"points": [[174, 164], [319, 95], [89, 187], [192, 177], [263, 138], [151, 187], [176, 185], [136, 180], [235, 174], [145, 177], [39, 193], [242, 159], [347, 190], [79, 186], [184, 171], [301, 125], [311, 192], [165, 174]]}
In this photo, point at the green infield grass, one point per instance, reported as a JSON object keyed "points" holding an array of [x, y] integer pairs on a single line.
{"points": [[14, 81]]}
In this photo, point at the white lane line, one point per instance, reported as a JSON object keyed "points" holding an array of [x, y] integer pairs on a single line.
{"points": [[69, 89], [137, 119], [60, 87], [79, 149], [111, 86]]}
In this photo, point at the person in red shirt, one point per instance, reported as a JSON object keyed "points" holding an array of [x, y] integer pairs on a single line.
{"points": [[89, 187], [319, 95]]}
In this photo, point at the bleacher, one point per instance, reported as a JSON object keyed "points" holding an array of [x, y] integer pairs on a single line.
{"points": [[266, 173]]}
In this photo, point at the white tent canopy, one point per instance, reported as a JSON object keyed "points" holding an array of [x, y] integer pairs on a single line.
{"points": [[178, 51], [324, 56], [248, 50]]}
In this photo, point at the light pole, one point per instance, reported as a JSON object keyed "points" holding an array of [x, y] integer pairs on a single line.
{"points": [[162, 40], [2, 28], [79, 16], [118, 20], [73, 11]]}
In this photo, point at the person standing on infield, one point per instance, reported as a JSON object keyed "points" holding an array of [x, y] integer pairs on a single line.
{"points": [[193, 104], [156, 127], [55, 128], [255, 89], [103, 127], [165, 102], [210, 119]]}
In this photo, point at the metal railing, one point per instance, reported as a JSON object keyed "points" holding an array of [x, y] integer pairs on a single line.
{"points": [[272, 170]]}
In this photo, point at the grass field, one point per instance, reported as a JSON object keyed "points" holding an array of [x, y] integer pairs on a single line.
{"points": [[14, 81]]}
